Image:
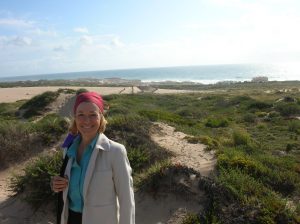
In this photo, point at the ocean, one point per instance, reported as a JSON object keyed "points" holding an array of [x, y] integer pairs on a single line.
{"points": [[205, 74]]}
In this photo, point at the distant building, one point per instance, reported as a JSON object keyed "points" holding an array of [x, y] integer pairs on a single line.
{"points": [[260, 79]]}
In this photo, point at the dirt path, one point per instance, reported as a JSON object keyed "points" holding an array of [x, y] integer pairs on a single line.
{"points": [[171, 209], [191, 155]]}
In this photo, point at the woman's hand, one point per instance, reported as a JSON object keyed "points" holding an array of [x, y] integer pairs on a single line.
{"points": [[59, 183]]}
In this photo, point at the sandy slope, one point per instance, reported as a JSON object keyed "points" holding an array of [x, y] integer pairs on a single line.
{"points": [[171, 209], [190, 155]]}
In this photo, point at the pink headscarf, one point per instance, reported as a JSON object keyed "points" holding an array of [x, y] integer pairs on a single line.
{"points": [[89, 97]]}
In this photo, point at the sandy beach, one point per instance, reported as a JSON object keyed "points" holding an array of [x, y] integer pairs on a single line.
{"points": [[8, 95]]}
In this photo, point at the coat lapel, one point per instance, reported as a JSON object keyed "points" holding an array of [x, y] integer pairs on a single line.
{"points": [[102, 144]]}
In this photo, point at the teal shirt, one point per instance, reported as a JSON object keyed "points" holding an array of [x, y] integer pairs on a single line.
{"points": [[76, 181]]}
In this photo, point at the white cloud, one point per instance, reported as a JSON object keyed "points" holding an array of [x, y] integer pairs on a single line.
{"points": [[86, 40], [59, 48], [18, 41], [18, 23], [116, 42], [41, 32], [21, 41], [81, 30]]}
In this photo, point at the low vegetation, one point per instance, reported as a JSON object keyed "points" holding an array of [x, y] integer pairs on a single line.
{"points": [[20, 139], [37, 105], [34, 183], [255, 135]]}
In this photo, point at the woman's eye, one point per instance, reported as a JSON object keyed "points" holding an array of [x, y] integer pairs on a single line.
{"points": [[93, 116]]}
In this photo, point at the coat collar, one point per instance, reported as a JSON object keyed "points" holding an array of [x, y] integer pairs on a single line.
{"points": [[102, 143]]}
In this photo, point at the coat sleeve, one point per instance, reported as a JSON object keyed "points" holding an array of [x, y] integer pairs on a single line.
{"points": [[124, 186]]}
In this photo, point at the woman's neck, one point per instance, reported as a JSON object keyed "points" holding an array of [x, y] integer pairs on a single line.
{"points": [[86, 140]]}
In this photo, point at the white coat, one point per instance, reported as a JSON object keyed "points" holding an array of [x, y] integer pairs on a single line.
{"points": [[108, 187]]}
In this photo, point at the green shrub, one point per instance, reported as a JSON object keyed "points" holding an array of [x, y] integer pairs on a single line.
{"points": [[294, 126], [288, 109], [133, 132], [289, 99], [41, 100], [150, 179], [262, 126], [206, 140], [191, 218], [216, 122], [261, 114], [249, 117], [36, 105], [9, 110], [35, 182], [276, 174], [159, 115], [81, 90], [241, 137], [240, 99], [273, 114], [165, 177], [15, 142], [50, 128], [251, 191], [259, 105], [138, 158], [292, 146]]}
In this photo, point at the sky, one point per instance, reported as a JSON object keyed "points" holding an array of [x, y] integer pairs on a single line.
{"points": [[54, 36]]}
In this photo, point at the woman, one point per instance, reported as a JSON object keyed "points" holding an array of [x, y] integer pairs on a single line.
{"points": [[97, 184]]}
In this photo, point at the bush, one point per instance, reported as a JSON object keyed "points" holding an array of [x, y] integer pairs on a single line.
{"points": [[9, 110], [150, 179], [288, 109], [216, 122], [294, 126], [133, 132], [138, 158], [273, 114], [206, 140], [15, 142], [259, 105], [50, 128], [251, 191], [240, 99], [35, 182], [191, 219], [36, 105], [241, 137], [82, 90], [159, 115], [165, 177], [249, 117], [261, 114], [289, 99], [262, 126]]}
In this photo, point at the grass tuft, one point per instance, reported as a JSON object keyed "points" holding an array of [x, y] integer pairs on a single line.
{"points": [[35, 182]]}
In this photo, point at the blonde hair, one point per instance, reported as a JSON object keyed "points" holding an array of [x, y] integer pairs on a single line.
{"points": [[74, 130]]}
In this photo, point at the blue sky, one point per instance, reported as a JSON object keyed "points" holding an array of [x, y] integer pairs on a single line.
{"points": [[42, 37]]}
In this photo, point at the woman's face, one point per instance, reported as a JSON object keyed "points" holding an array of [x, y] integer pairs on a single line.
{"points": [[88, 119]]}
